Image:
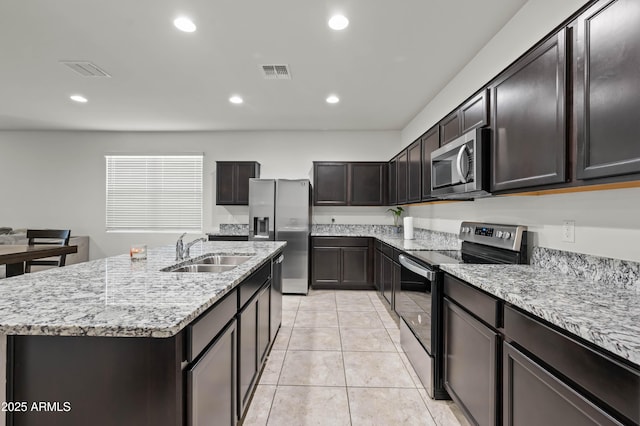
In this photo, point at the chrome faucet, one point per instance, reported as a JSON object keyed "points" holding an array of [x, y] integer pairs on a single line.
{"points": [[180, 247], [188, 246]]}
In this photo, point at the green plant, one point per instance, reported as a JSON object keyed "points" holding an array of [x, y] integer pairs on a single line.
{"points": [[397, 214]]}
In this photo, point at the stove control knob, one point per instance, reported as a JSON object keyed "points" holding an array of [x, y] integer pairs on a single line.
{"points": [[499, 234], [506, 235]]}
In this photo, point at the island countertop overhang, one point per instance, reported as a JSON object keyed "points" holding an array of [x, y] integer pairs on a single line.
{"points": [[117, 297]]}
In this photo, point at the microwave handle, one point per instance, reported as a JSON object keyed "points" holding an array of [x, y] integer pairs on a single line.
{"points": [[463, 177]]}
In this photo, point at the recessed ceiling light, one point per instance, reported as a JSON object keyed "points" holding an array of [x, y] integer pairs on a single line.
{"points": [[338, 22], [333, 99], [184, 24], [235, 99], [78, 98]]}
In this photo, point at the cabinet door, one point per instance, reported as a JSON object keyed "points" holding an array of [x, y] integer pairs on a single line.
{"points": [[387, 279], [367, 184], [326, 266], [243, 172], [276, 297], [224, 183], [533, 396], [528, 121], [211, 383], [402, 177], [430, 142], [247, 353], [355, 265], [395, 283], [414, 173], [475, 112], [377, 280], [607, 89], [393, 182], [263, 323], [330, 184], [470, 364], [449, 127]]}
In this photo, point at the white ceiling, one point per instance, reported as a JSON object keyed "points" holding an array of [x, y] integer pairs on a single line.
{"points": [[392, 59]]}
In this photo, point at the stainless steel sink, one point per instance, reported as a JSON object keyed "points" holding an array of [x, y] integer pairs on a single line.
{"points": [[203, 268], [223, 260], [213, 263]]}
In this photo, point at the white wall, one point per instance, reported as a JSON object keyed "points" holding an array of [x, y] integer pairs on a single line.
{"points": [[57, 179]]}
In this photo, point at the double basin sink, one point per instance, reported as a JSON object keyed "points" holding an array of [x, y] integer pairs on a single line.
{"points": [[213, 263]]}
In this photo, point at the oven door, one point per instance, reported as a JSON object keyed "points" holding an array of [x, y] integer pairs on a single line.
{"points": [[419, 304]]}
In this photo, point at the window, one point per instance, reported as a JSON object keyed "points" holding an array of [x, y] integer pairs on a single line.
{"points": [[154, 193]]}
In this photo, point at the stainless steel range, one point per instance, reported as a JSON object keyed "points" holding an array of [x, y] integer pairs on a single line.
{"points": [[419, 301]]}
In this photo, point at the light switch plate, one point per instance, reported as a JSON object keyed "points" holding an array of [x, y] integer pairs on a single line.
{"points": [[568, 231]]}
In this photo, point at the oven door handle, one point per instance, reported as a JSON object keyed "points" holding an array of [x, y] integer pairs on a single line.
{"points": [[421, 270]]}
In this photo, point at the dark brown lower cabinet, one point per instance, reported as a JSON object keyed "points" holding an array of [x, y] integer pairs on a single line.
{"points": [[211, 383], [533, 396], [342, 263], [470, 364]]}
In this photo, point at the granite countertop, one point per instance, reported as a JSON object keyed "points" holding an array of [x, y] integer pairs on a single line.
{"points": [[603, 314], [431, 242], [120, 298]]}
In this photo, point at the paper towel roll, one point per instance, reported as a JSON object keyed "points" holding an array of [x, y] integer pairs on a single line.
{"points": [[408, 228]]}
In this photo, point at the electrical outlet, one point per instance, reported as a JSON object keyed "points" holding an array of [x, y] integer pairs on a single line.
{"points": [[568, 231]]}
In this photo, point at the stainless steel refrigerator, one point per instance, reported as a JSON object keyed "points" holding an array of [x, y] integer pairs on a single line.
{"points": [[280, 210]]}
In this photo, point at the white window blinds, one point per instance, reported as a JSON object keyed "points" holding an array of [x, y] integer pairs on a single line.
{"points": [[154, 193]]}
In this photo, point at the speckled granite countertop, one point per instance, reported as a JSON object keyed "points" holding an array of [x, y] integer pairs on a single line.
{"points": [[606, 315], [120, 298], [427, 241]]}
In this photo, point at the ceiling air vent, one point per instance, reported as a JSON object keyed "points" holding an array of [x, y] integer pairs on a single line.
{"points": [[275, 72], [85, 69]]}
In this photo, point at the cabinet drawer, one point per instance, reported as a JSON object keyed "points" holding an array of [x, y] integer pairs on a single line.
{"points": [[481, 305], [387, 250], [608, 380], [340, 241], [252, 284], [202, 331]]}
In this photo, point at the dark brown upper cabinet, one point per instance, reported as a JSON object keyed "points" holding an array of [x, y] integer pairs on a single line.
{"points": [[471, 114], [430, 142], [606, 58], [414, 172], [330, 184], [368, 184], [393, 181], [232, 181], [529, 141], [449, 127], [350, 184], [401, 177]]}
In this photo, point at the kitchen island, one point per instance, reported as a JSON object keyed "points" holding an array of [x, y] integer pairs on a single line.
{"points": [[115, 341]]}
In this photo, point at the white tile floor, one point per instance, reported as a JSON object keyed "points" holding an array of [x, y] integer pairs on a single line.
{"points": [[337, 361]]}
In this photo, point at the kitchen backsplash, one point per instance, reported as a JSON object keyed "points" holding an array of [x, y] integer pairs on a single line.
{"points": [[617, 272], [234, 229]]}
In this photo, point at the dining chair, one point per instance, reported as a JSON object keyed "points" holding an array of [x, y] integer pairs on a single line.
{"points": [[47, 236]]}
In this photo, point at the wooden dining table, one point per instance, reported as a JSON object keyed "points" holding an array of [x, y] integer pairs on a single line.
{"points": [[14, 256]]}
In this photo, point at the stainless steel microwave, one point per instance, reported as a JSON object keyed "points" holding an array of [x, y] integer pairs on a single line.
{"points": [[459, 168]]}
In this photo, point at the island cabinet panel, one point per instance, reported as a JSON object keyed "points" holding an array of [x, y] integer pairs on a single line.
{"points": [[414, 172], [533, 396], [529, 138], [211, 383], [342, 263], [330, 186], [232, 181], [430, 142], [606, 55], [104, 380]]}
